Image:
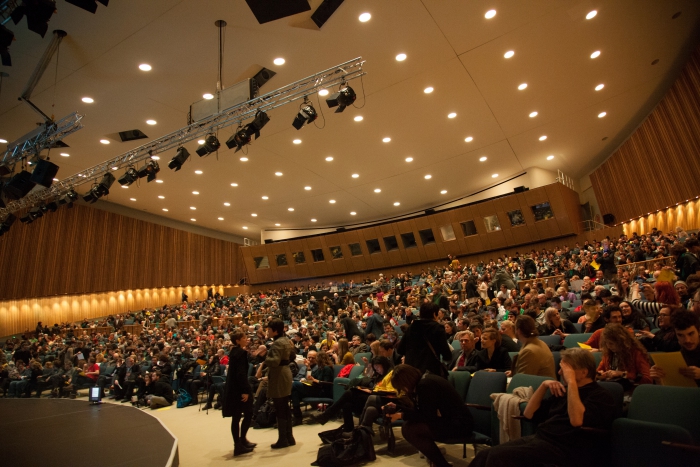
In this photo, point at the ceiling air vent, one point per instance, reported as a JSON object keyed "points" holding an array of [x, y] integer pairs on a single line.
{"points": [[131, 135]]}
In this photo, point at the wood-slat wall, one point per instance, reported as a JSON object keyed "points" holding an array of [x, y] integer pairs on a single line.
{"points": [[659, 165], [685, 215], [86, 250]]}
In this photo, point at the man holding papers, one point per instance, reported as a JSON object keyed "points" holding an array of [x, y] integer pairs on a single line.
{"points": [[687, 327]]}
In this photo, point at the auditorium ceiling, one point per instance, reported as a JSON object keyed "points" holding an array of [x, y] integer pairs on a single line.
{"points": [[450, 46]]}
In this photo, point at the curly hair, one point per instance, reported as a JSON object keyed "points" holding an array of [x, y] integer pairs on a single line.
{"points": [[323, 359], [666, 293], [625, 344]]}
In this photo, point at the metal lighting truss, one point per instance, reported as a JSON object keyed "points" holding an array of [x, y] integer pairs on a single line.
{"points": [[42, 138], [235, 115]]}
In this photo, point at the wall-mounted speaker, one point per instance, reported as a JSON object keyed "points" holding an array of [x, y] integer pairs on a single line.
{"points": [[519, 189], [269, 240], [608, 219], [430, 211]]}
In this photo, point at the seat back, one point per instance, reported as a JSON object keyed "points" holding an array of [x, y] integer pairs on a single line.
{"points": [[456, 345], [461, 381], [551, 340], [618, 393], [336, 370], [398, 330], [522, 380], [359, 355], [557, 361], [356, 371], [482, 385], [668, 405], [578, 326], [638, 444], [572, 340]]}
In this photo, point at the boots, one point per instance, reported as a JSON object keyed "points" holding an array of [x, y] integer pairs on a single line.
{"points": [[245, 426], [240, 449], [284, 426], [321, 418], [290, 436], [240, 445], [297, 416]]}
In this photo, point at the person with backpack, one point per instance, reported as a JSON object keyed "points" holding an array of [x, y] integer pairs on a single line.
{"points": [[238, 395]]}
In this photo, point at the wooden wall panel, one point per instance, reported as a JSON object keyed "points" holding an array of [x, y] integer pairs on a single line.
{"points": [[86, 250], [659, 164], [685, 215]]}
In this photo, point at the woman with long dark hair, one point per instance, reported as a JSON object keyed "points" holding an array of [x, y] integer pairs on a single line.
{"points": [[624, 360], [238, 395], [279, 381]]}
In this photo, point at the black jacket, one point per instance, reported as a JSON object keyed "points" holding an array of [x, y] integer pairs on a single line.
{"points": [[351, 328], [163, 389], [236, 381], [469, 362], [414, 346], [500, 360]]}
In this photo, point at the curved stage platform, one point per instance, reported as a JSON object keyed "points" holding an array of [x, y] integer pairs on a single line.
{"points": [[64, 432]]}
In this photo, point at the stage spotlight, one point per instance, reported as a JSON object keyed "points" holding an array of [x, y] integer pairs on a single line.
{"points": [[6, 38], [49, 207], [68, 198], [307, 114], [211, 144], [341, 99], [38, 13], [180, 158], [239, 139], [32, 215], [129, 177], [88, 5], [253, 128], [6, 223], [99, 190], [149, 170]]}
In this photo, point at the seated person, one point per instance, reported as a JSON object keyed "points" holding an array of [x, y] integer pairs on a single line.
{"points": [[508, 338], [159, 392], [492, 356], [534, 358], [611, 315], [464, 359], [315, 385], [591, 318], [625, 359], [665, 338], [555, 325], [687, 326], [579, 402], [631, 318]]}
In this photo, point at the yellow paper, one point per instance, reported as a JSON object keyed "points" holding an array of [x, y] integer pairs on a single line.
{"points": [[671, 362], [666, 276], [584, 346], [595, 265]]}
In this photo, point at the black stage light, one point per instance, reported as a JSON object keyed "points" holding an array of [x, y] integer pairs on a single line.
{"points": [[180, 158], [211, 144], [307, 114], [129, 177], [6, 38], [254, 127], [149, 170], [38, 13], [341, 99], [28, 218], [239, 139], [50, 207], [6, 224], [68, 198], [99, 190], [87, 5]]}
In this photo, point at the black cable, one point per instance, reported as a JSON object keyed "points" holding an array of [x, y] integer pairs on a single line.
{"points": [[321, 109], [364, 98]]}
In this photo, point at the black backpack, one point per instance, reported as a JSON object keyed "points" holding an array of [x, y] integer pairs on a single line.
{"points": [[356, 449], [266, 416]]}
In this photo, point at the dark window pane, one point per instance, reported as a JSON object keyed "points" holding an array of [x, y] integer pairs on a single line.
{"points": [[261, 262], [469, 228], [408, 240], [336, 252], [355, 249], [317, 255], [426, 236], [282, 260], [390, 243], [299, 257], [542, 211], [373, 246], [516, 218]]}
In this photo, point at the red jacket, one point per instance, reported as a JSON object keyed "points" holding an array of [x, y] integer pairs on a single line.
{"points": [[640, 368]]}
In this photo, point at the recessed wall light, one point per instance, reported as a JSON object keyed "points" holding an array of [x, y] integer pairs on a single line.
{"points": [[234, 184], [132, 199], [358, 118], [265, 197], [522, 86], [329, 158], [355, 175], [278, 61], [279, 174], [533, 114], [443, 192], [208, 96], [104, 141], [221, 218], [161, 197], [227, 204], [599, 87], [469, 139], [198, 172], [290, 209], [254, 215], [451, 115], [428, 177], [151, 122], [88, 100], [591, 14], [543, 137], [364, 17], [386, 140], [297, 141], [482, 158], [377, 190], [277, 225], [145, 67], [193, 208], [400, 57], [307, 188], [165, 209], [490, 14], [313, 220], [602, 114], [332, 201], [428, 90], [397, 203], [494, 175], [323, 92], [550, 157], [245, 227], [409, 159], [243, 159], [508, 54], [201, 141], [595, 54]]}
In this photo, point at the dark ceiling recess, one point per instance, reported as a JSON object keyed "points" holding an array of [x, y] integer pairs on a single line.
{"points": [[271, 10], [131, 135], [88, 5], [59, 144], [262, 77], [324, 11]]}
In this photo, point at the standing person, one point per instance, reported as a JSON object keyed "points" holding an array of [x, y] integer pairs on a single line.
{"points": [[425, 342], [238, 395], [279, 377]]}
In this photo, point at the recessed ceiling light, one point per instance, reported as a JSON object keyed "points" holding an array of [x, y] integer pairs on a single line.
{"points": [[591, 14], [104, 141], [549, 158], [355, 175], [165, 209], [543, 137], [145, 67], [297, 141], [595, 54], [451, 115], [195, 192], [159, 181], [155, 158], [522, 86], [151, 122], [602, 114], [132, 199], [265, 197], [313, 220], [400, 57], [88, 100], [533, 114], [469, 139], [353, 213], [482, 158], [63, 154], [278, 61], [279, 174], [243, 159], [208, 96], [359, 118], [193, 208], [428, 177], [161, 197], [443, 192], [323, 92], [3, 141], [290, 209], [201, 141], [428, 90], [377, 190], [234, 184], [494, 175], [245, 227], [409, 159], [364, 17], [329, 158], [599, 87], [125, 186], [227, 204], [332, 201], [508, 54], [386, 140], [221, 218], [254, 215], [277, 225], [307, 188], [490, 14], [115, 168], [198, 172], [193, 219], [397, 203]]}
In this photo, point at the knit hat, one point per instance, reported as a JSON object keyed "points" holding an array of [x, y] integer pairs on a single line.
{"points": [[680, 282]]}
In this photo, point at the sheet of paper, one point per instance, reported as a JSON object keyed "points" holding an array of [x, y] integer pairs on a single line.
{"points": [[584, 346], [666, 276], [671, 362]]}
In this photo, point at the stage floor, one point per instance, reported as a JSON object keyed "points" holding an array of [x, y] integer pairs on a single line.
{"points": [[63, 432]]}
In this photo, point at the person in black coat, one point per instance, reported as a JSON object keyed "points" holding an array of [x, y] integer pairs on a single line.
{"points": [[350, 327], [425, 342], [238, 395], [492, 356]]}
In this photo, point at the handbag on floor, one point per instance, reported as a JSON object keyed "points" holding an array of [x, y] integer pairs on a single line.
{"points": [[183, 398], [266, 416], [356, 449]]}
